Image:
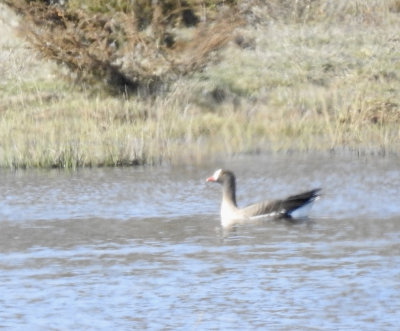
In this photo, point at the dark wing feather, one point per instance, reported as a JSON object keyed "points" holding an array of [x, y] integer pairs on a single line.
{"points": [[283, 207]]}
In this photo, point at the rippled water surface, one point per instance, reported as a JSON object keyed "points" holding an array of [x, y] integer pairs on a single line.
{"points": [[141, 248]]}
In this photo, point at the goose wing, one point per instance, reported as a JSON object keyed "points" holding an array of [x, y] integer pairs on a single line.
{"points": [[282, 207]]}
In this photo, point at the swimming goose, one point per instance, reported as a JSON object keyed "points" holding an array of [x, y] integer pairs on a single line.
{"points": [[231, 214]]}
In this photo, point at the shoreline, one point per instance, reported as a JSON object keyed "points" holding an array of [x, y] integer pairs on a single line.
{"points": [[336, 89]]}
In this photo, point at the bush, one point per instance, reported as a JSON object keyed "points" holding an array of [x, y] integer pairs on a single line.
{"points": [[124, 45]]}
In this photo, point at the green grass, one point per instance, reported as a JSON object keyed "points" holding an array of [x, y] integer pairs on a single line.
{"points": [[329, 82]]}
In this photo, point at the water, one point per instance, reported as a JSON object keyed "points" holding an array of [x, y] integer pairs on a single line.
{"points": [[141, 248]]}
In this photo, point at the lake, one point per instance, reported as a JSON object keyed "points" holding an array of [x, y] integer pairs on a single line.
{"points": [[142, 248]]}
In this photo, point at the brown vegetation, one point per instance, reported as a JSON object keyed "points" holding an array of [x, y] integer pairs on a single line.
{"points": [[316, 75], [127, 47]]}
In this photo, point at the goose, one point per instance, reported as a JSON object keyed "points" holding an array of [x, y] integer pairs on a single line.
{"points": [[231, 214]]}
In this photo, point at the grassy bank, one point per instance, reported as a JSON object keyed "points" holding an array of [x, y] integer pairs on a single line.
{"points": [[318, 80]]}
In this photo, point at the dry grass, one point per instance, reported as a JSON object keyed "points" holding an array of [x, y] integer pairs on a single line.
{"points": [[321, 83]]}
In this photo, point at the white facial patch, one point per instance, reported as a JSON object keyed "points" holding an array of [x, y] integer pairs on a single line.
{"points": [[217, 174]]}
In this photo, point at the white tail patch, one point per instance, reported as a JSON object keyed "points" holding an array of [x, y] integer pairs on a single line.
{"points": [[303, 211]]}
